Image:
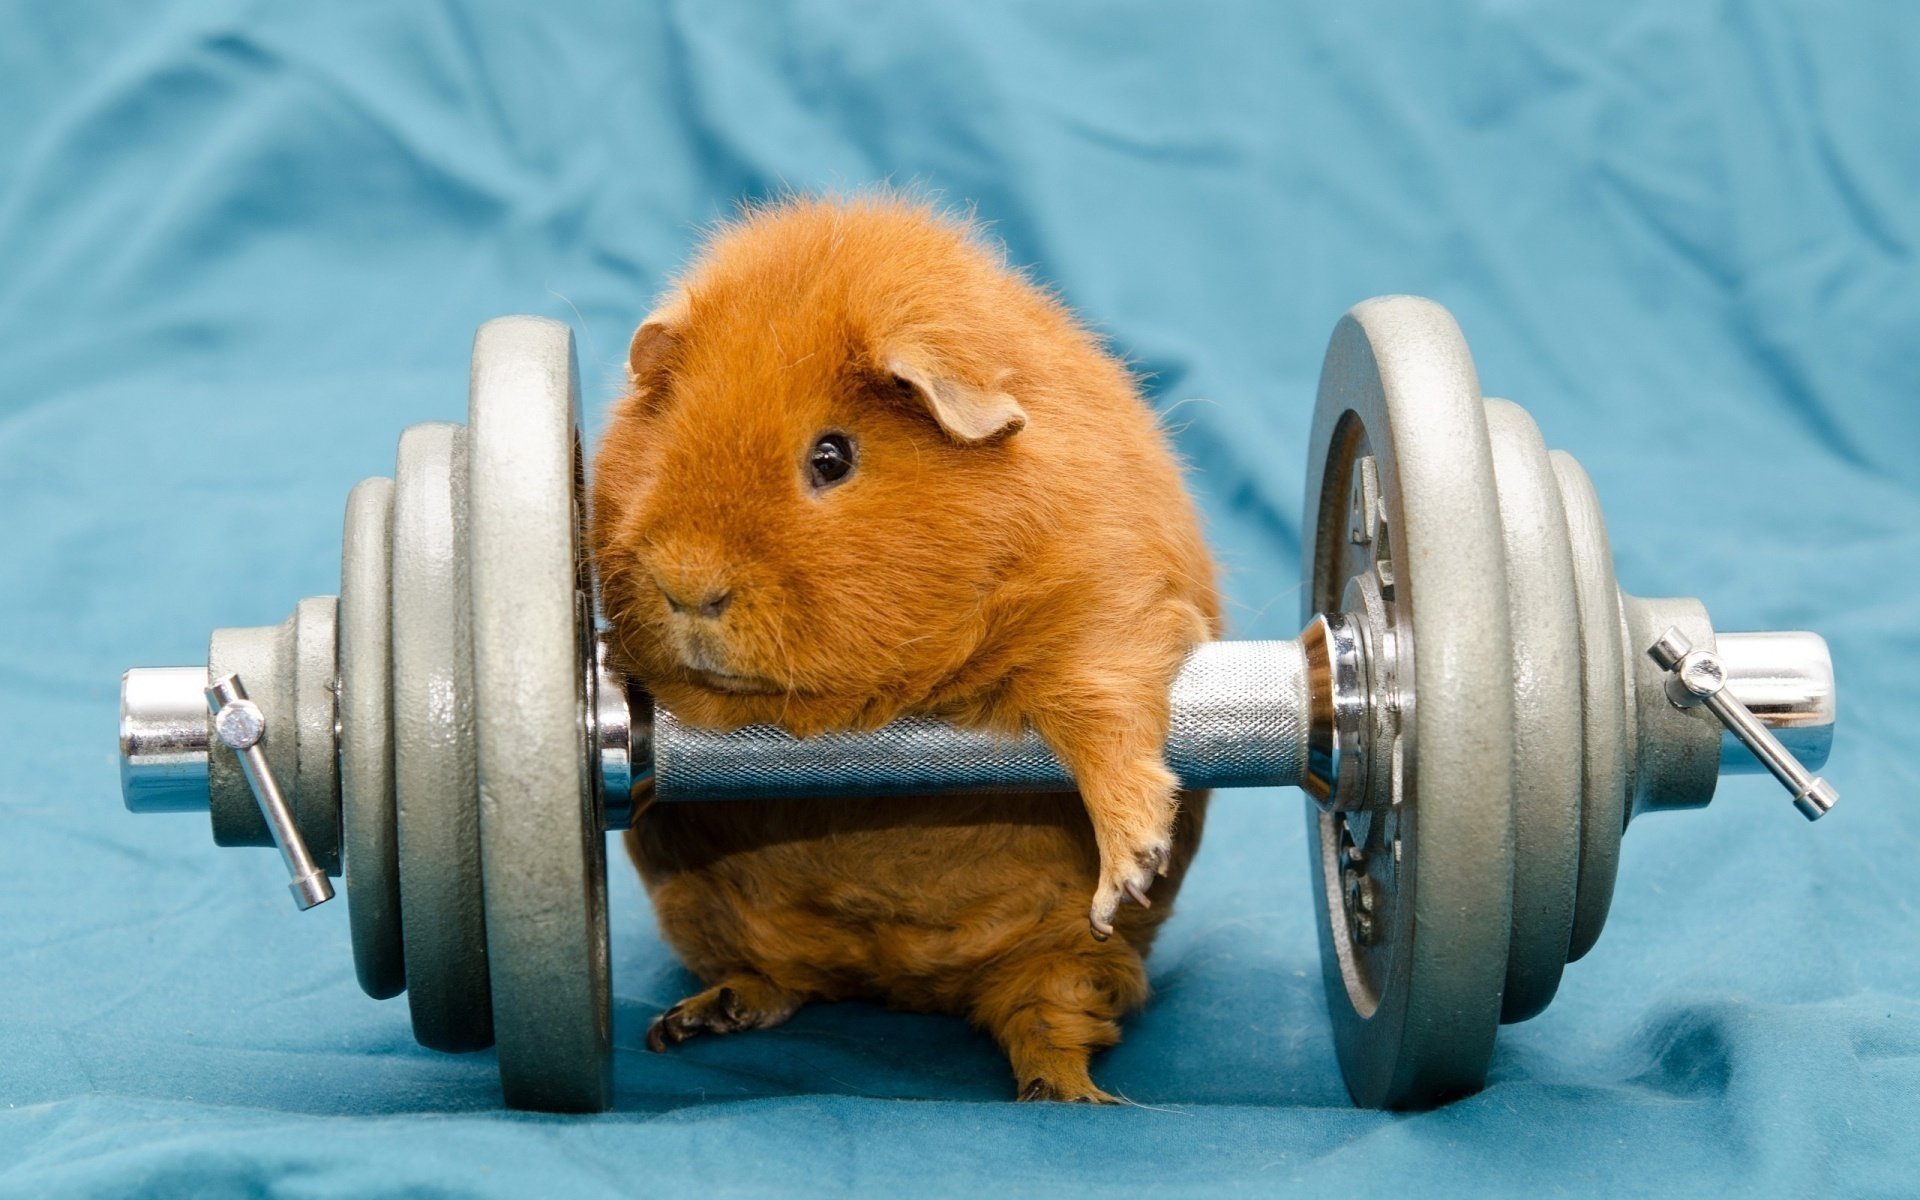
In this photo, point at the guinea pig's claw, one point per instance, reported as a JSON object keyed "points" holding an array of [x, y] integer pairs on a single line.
{"points": [[1139, 896], [1101, 928], [1162, 861], [665, 1031]]}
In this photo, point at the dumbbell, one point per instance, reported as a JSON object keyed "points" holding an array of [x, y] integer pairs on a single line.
{"points": [[1474, 709]]}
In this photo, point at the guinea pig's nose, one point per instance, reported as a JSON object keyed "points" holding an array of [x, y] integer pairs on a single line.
{"points": [[709, 605]]}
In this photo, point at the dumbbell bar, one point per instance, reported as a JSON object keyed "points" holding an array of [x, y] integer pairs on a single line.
{"points": [[460, 654], [1240, 719]]}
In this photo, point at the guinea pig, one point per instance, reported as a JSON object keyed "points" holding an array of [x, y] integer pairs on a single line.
{"points": [[864, 469]]}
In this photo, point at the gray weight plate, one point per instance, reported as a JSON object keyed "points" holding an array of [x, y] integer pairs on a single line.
{"points": [[316, 781], [1415, 1012], [366, 740], [1607, 737], [436, 802], [541, 839], [1543, 615]]}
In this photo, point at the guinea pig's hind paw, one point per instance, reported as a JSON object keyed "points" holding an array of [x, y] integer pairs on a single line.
{"points": [[721, 1009], [691, 1017], [1046, 1089]]}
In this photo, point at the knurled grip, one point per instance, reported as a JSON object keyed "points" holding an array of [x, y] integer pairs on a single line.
{"points": [[1239, 720]]}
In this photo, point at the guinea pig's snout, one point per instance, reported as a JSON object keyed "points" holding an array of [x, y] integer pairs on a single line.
{"points": [[708, 599], [698, 596]]}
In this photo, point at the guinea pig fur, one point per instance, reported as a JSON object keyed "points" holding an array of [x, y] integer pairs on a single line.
{"points": [[864, 469]]}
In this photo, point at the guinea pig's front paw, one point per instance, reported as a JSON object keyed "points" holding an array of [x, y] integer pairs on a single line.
{"points": [[1136, 846], [1125, 882]]}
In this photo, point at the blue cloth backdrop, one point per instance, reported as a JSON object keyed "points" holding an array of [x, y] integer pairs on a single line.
{"points": [[243, 244]]}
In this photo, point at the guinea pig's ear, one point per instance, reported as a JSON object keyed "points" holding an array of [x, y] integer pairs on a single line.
{"points": [[650, 355], [647, 353], [967, 414]]}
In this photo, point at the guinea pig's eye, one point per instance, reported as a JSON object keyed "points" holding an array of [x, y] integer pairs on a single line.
{"points": [[830, 460]]}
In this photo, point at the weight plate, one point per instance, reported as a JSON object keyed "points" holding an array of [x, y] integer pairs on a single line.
{"points": [[1543, 616], [1607, 741], [316, 781], [366, 740], [436, 803], [545, 854], [1415, 1010], [316, 768]]}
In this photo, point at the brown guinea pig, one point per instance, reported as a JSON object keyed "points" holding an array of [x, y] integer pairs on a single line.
{"points": [[865, 469]]}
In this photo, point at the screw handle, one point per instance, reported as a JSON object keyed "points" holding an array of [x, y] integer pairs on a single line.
{"points": [[1697, 677], [239, 724]]}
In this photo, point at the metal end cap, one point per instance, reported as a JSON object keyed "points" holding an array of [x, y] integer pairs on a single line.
{"points": [[312, 889], [1816, 800]]}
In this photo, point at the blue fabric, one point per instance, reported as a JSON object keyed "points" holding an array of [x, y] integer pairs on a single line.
{"points": [[245, 244]]}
